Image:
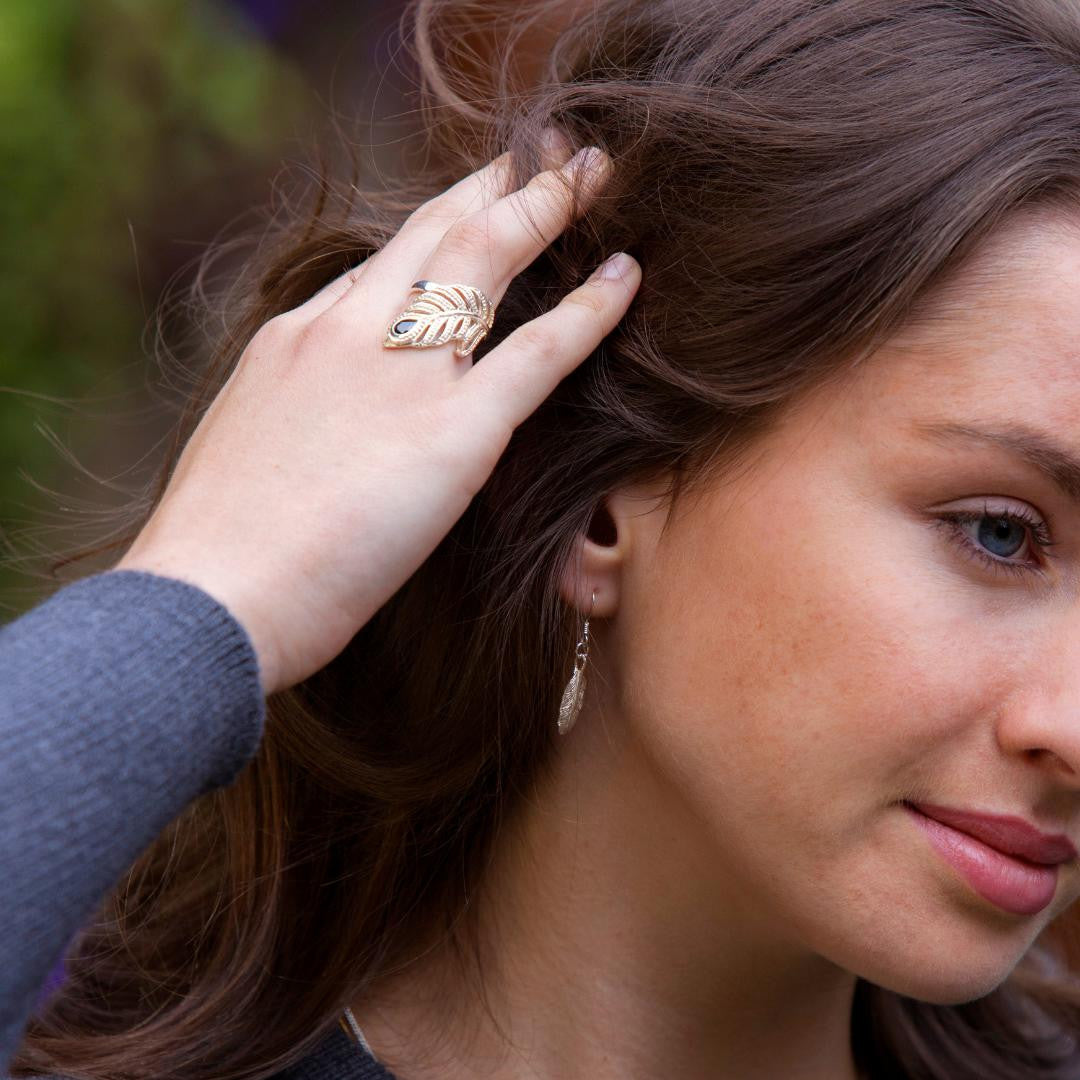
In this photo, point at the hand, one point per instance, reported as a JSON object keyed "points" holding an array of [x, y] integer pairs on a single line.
{"points": [[329, 466]]}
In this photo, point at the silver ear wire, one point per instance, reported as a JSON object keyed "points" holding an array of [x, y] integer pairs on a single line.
{"points": [[574, 694]]}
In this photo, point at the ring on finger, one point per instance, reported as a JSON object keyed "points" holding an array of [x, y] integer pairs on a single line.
{"points": [[442, 312]]}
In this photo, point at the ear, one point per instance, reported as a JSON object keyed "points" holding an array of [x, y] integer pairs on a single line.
{"points": [[623, 526]]}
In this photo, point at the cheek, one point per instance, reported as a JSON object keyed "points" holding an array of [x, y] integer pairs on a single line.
{"points": [[790, 686], [800, 675]]}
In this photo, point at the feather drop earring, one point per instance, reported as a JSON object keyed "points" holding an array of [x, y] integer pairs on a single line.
{"points": [[574, 694]]}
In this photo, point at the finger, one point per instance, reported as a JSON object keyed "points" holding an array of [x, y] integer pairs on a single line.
{"points": [[488, 248], [487, 183], [486, 253], [427, 226], [491, 183], [527, 220], [520, 372], [424, 227]]}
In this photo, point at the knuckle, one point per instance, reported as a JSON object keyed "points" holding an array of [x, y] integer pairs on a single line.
{"points": [[467, 236], [284, 326], [426, 213], [536, 337], [543, 201], [551, 185], [327, 329], [315, 331], [276, 338], [592, 301]]}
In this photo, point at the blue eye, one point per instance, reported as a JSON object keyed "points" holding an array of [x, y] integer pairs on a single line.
{"points": [[1001, 533]]}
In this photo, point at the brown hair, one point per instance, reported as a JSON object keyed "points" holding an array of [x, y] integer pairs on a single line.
{"points": [[795, 178]]}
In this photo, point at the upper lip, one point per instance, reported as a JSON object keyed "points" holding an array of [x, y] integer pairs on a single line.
{"points": [[1007, 833]]}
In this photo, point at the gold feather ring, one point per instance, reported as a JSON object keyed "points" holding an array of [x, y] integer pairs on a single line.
{"points": [[442, 313]]}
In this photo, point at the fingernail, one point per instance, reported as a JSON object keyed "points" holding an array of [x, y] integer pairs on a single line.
{"points": [[615, 266], [588, 158]]}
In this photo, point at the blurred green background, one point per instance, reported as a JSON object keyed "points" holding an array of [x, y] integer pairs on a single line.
{"points": [[132, 132]]}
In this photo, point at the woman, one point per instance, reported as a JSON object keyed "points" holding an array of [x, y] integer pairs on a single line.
{"points": [[815, 495]]}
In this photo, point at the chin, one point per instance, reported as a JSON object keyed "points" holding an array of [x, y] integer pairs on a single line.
{"points": [[955, 991], [951, 976]]}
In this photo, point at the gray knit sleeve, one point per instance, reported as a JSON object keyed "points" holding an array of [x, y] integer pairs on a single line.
{"points": [[123, 697]]}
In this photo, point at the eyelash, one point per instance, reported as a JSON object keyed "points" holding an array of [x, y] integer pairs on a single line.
{"points": [[1037, 528]]}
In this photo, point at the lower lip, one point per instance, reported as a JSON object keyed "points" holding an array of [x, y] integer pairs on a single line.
{"points": [[1019, 887]]}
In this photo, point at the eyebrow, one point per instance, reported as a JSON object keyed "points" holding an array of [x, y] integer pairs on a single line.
{"points": [[1053, 459]]}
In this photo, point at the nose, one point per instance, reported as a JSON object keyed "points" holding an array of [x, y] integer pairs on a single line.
{"points": [[1041, 721], [1049, 739]]}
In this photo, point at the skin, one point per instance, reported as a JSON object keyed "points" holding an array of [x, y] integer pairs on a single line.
{"points": [[720, 850]]}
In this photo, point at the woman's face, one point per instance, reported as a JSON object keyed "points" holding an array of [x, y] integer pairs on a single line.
{"points": [[813, 642]]}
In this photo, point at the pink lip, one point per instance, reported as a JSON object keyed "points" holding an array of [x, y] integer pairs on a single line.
{"points": [[1005, 859], [1010, 835]]}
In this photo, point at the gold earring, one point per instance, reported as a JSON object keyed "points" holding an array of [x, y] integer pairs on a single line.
{"points": [[574, 694]]}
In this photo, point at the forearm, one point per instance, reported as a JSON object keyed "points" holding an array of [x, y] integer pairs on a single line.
{"points": [[123, 697]]}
